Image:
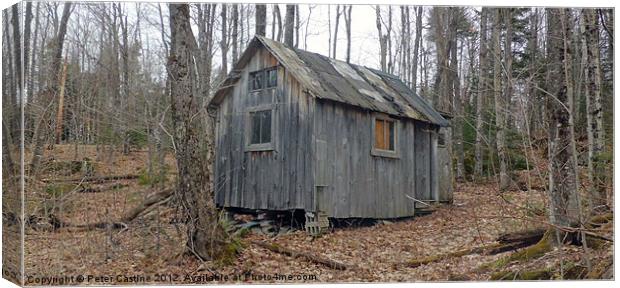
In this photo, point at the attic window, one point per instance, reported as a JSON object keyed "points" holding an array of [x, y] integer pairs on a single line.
{"points": [[263, 79], [385, 136]]}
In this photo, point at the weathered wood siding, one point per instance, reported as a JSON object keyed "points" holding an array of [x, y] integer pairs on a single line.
{"points": [[444, 170], [353, 183], [281, 179]]}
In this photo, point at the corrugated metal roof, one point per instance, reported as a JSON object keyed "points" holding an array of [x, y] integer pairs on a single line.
{"points": [[336, 80]]}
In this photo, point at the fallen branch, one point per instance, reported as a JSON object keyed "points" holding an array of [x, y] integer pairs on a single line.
{"points": [[148, 202], [313, 258], [98, 179], [153, 200]]}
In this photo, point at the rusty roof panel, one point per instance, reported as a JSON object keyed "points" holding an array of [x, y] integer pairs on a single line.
{"points": [[336, 80]]}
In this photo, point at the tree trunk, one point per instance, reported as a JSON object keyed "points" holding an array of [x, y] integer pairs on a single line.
{"points": [[455, 87], [194, 176], [289, 26], [482, 92], [416, 47], [347, 20], [61, 104], [336, 26], [55, 71], [382, 41], [261, 19], [500, 107], [564, 209], [596, 134], [235, 32], [224, 42]]}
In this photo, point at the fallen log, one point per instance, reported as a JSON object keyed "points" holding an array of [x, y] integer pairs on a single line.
{"points": [[94, 179], [534, 251], [530, 236], [487, 249], [102, 189], [313, 258]]}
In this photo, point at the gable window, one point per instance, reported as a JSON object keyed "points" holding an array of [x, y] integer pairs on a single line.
{"points": [[271, 76], [263, 79], [256, 80], [260, 128], [385, 136]]}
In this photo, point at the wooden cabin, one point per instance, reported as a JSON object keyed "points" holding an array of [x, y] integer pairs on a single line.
{"points": [[298, 130]]}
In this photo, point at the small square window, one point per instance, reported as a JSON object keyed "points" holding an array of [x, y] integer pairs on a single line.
{"points": [[385, 136], [256, 80]]}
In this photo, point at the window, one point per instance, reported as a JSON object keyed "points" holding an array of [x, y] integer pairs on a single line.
{"points": [[263, 79], [385, 136], [260, 128], [441, 138], [272, 77], [256, 80]]}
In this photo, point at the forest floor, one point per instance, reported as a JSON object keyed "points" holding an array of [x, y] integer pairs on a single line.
{"points": [[152, 245]]}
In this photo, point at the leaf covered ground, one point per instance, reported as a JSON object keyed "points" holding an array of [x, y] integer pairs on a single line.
{"points": [[152, 246]]}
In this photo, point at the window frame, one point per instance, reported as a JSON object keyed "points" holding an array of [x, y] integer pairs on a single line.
{"points": [[267, 146], [383, 152], [264, 81], [251, 80]]}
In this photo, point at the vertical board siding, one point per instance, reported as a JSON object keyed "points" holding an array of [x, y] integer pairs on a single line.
{"points": [[423, 162], [269, 180], [359, 184]]}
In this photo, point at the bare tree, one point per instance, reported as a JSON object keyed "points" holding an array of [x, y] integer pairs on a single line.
{"points": [[194, 188], [347, 20], [55, 72], [564, 207], [235, 33], [416, 47], [289, 26], [261, 19], [481, 93], [336, 26], [594, 116], [500, 107]]}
